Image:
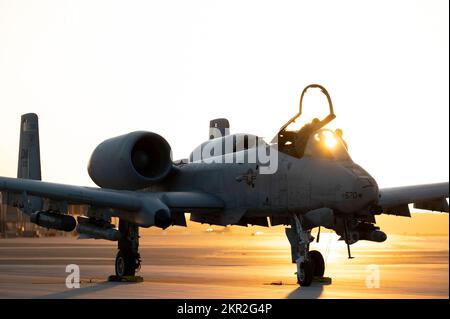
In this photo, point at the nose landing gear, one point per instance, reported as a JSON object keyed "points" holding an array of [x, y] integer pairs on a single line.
{"points": [[318, 262], [310, 264], [305, 272]]}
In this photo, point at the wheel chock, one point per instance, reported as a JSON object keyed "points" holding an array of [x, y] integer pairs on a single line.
{"points": [[114, 278], [323, 280]]}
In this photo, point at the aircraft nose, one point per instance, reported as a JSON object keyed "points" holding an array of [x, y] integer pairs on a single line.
{"points": [[367, 190]]}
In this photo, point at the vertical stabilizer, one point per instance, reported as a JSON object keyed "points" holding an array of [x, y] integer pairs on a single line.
{"points": [[29, 166]]}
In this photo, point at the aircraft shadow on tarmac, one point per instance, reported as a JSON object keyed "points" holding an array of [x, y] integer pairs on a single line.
{"points": [[84, 291], [312, 292]]}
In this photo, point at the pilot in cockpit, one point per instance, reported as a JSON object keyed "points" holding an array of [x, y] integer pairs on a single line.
{"points": [[294, 142], [302, 136]]}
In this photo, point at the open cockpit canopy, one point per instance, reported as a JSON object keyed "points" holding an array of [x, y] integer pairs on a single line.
{"points": [[312, 139]]}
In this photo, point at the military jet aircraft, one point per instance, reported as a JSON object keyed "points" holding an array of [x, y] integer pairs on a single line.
{"points": [[302, 179]]}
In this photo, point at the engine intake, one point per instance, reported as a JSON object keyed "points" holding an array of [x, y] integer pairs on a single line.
{"points": [[131, 161]]}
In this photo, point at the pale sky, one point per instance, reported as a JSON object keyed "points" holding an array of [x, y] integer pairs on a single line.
{"points": [[95, 69]]}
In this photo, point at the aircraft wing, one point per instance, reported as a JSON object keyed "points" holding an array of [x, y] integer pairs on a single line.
{"points": [[134, 206], [394, 201]]}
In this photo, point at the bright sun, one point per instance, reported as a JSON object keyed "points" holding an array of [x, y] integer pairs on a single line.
{"points": [[329, 139]]}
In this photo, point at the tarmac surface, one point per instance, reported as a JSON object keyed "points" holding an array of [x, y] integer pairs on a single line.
{"points": [[226, 265]]}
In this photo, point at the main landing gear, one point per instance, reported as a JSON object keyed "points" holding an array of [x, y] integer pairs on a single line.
{"points": [[128, 259], [310, 264]]}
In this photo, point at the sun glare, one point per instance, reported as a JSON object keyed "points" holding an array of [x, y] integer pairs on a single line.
{"points": [[329, 139]]}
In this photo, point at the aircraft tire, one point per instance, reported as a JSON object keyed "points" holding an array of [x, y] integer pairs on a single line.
{"points": [[318, 261], [305, 273], [125, 264]]}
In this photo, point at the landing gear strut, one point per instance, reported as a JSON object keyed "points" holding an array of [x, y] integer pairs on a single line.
{"points": [[310, 264], [128, 259]]}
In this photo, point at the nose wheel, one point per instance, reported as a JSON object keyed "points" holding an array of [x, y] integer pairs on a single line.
{"points": [[310, 264], [318, 262], [305, 273], [312, 267]]}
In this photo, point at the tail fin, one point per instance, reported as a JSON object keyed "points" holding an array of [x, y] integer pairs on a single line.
{"points": [[29, 165]]}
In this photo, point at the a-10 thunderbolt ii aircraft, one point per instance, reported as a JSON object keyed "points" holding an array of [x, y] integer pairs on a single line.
{"points": [[303, 179]]}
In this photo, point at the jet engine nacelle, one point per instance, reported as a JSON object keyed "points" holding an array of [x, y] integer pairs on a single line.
{"points": [[132, 161]]}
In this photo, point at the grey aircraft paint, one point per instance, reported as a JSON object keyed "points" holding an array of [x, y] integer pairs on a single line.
{"points": [[230, 179]]}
